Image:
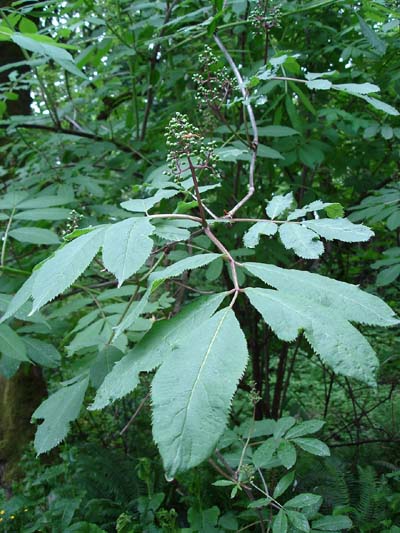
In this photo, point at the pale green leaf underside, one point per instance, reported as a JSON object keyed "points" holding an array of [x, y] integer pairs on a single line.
{"points": [[314, 206], [67, 264], [279, 204], [132, 315], [34, 235], [338, 343], [163, 337], [350, 301], [58, 411], [340, 229], [143, 205], [252, 237], [193, 389], [189, 263], [126, 247], [304, 242]]}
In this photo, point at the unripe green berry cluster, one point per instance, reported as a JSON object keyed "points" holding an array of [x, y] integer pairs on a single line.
{"points": [[72, 222], [264, 17], [213, 81], [184, 141]]}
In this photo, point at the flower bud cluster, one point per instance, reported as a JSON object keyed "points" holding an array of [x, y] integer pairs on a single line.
{"points": [[213, 81], [72, 223], [185, 143], [264, 17]]}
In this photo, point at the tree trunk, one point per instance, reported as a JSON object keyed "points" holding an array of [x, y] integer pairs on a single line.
{"points": [[20, 395]]}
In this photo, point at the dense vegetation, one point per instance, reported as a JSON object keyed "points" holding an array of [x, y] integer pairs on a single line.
{"points": [[200, 266]]}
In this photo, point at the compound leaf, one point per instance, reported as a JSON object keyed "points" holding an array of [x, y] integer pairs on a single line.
{"points": [[252, 237], [338, 343], [126, 247], [60, 271], [340, 229], [304, 242], [162, 339], [349, 300], [192, 391], [58, 411]]}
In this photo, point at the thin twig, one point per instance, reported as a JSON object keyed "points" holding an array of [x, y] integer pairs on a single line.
{"points": [[135, 414], [254, 143]]}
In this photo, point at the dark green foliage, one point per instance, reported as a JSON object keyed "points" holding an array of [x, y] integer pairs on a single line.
{"points": [[200, 263]]}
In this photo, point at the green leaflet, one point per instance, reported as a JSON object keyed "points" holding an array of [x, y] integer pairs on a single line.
{"points": [[20, 298], [339, 228], [161, 340], [339, 344], [279, 204], [192, 391], [189, 263], [252, 237], [126, 247], [280, 524], [332, 523], [348, 300], [304, 242], [143, 205], [11, 345], [35, 235], [42, 353], [58, 411], [50, 213], [132, 315], [68, 263], [316, 206]]}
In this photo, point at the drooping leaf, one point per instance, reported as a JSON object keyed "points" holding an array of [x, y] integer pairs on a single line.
{"points": [[371, 36], [20, 298], [332, 523], [333, 210], [189, 263], [132, 315], [298, 520], [304, 428], [319, 84], [350, 301], [304, 242], [338, 343], [263, 455], [279, 204], [126, 247], [313, 446], [283, 425], [357, 88], [43, 201], [280, 524], [287, 454], [143, 205], [58, 411], [381, 106], [252, 237], [283, 484], [35, 235], [304, 500], [161, 340], [340, 229], [11, 345], [190, 414], [68, 263], [42, 353], [50, 213], [276, 131]]}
